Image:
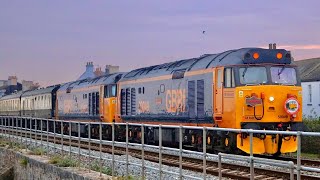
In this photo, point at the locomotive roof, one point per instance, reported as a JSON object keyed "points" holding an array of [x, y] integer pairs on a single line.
{"points": [[230, 57], [104, 79], [40, 91], [12, 96]]}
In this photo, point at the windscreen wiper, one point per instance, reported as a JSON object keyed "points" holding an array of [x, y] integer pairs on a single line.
{"points": [[244, 71], [279, 73]]}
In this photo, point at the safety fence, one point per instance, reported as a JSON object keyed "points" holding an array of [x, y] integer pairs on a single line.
{"points": [[26, 127]]}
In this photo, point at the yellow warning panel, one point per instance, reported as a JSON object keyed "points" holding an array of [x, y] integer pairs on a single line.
{"points": [[244, 145]]}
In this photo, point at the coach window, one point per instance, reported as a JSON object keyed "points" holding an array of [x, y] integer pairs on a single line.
{"points": [[229, 78]]}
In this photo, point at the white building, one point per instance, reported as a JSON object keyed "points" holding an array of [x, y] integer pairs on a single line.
{"points": [[310, 82]]}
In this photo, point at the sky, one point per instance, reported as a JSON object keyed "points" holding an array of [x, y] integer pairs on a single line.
{"points": [[50, 41]]}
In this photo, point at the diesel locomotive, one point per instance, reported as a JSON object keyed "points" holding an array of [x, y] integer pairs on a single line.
{"points": [[248, 88]]}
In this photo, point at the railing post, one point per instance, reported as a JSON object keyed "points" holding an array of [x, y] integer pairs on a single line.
{"points": [[54, 136], [30, 128], [1, 126], [25, 132], [204, 149], [127, 151], [61, 127], [41, 128], [79, 144], [100, 146], [113, 149], [180, 152], [70, 128], [8, 127], [299, 155], [160, 151], [219, 166], [35, 131], [142, 151], [251, 157], [291, 164], [16, 127], [89, 136], [21, 130], [47, 137]]}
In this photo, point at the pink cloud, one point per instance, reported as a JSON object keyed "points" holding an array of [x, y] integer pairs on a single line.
{"points": [[298, 47]]}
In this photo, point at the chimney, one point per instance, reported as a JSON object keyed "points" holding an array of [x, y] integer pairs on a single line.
{"points": [[111, 69], [274, 46], [12, 80], [89, 67], [270, 46], [98, 72]]}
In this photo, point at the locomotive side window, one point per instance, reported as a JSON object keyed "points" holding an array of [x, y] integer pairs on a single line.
{"points": [[93, 110], [200, 98], [97, 102], [191, 98], [128, 102], [219, 78], [90, 105], [229, 81], [123, 101], [133, 101]]}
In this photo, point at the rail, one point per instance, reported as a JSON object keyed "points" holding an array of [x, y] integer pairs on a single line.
{"points": [[40, 127]]}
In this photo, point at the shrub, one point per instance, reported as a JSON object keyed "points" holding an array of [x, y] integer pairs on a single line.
{"points": [[310, 143], [24, 161]]}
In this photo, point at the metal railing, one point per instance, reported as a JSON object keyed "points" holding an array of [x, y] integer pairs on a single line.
{"points": [[25, 126]]}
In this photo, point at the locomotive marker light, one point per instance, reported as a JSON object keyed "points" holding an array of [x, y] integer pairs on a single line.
{"points": [[279, 55], [291, 106], [271, 98], [255, 55]]}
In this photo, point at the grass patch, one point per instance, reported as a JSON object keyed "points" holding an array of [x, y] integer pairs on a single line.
{"points": [[95, 166], [125, 178], [24, 161], [62, 161], [37, 151]]}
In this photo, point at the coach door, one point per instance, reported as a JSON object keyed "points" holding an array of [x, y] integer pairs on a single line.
{"points": [[218, 94]]}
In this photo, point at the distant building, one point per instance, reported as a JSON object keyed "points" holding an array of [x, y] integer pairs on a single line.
{"points": [[111, 69], [310, 82], [12, 81], [90, 73], [12, 85], [29, 85]]}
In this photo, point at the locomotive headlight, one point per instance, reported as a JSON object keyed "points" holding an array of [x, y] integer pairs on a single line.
{"points": [[271, 98]]}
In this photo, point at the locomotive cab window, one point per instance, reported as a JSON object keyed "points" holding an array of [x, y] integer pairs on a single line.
{"points": [[229, 81], [253, 75], [110, 91], [283, 75]]}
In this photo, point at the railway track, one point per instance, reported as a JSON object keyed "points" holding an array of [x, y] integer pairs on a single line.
{"points": [[233, 171]]}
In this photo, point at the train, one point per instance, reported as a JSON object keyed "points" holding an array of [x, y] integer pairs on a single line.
{"points": [[246, 88]]}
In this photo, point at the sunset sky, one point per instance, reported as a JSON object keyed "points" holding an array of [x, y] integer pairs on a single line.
{"points": [[50, 41]]}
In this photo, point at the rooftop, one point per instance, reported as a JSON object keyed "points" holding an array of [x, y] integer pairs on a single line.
{"points": [[309, 69]]}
